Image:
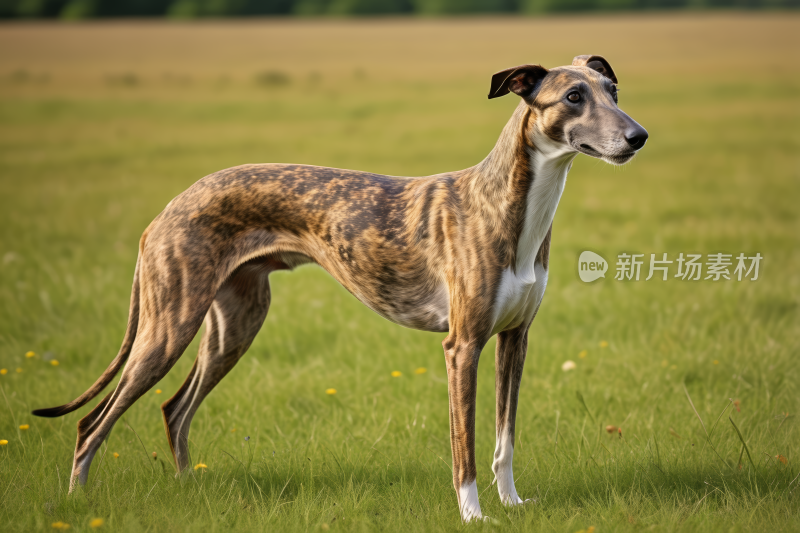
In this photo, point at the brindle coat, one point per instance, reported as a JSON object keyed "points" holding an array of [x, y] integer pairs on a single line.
{"points": [[463, 252]]}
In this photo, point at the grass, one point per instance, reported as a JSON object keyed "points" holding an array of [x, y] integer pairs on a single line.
{"points": [[102, 124]]}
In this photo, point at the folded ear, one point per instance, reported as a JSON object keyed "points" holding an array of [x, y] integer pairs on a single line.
{"points": [[597, 63], [521, 80]]}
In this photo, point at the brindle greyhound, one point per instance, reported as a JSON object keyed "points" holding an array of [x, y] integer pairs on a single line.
{"points": [[462, 252]]}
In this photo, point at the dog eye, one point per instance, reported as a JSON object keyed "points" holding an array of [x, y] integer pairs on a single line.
{"points": [[574, 97]]}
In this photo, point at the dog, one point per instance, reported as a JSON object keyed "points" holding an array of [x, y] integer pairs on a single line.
{"points": [[464, 253]]}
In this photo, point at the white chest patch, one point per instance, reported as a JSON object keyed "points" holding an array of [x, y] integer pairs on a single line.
{"points": [[518, 299], [520, 293]]}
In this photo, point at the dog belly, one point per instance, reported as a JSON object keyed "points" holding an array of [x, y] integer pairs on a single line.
{"points": [[427, 313]]}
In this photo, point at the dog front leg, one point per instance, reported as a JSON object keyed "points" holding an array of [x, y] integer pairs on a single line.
{"points": [[512, 347], [462, 373]]}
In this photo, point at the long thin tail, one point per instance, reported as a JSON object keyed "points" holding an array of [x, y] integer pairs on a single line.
{"points": [[116, 364]]}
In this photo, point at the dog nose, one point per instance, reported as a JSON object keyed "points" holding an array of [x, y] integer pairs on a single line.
{"points": [[636, 137]]}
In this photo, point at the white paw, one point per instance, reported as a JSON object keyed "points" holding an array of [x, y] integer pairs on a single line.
{"points": [[509, 502], [468, 500], [510, 499], [474, 519]]}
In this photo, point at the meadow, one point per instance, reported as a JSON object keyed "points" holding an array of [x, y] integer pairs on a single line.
{"points": [[101, 124]]}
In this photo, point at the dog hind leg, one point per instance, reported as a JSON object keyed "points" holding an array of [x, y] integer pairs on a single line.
{"points": [[232, 322], [155, 351]]}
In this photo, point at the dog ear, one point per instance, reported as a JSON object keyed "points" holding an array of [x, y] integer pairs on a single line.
{"points": [[597, 63], [521, 80]]}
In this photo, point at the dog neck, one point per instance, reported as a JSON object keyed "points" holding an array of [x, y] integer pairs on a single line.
{"points": [[515, 190]]}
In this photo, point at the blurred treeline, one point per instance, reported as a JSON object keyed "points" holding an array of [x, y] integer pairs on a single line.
{"points": [[79, 9]]}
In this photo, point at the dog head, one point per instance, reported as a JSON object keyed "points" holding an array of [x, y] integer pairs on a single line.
{"points": [[576, 107]]}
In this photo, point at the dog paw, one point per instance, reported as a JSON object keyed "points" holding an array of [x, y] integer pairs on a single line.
{"points": [[473, 518], [509, 502], [482, 519]]}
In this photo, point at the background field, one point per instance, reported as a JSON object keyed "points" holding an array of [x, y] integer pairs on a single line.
{"points": [[102, 124]]}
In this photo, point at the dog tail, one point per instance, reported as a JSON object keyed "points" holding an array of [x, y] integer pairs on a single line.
{"points": [[116, 364]]}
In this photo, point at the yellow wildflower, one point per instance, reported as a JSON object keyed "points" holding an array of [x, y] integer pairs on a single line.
{"points": [[604, 344], [158, 391], [3, 442], [716, 362], [19, 370], [330, 391], [60, 525], [420, 370], [116, 455], [583, 354], [396, 374], [198, 466], [97, 522], [54, 362], [23, 427], [3, 371], [233, 430], [30, 354]]}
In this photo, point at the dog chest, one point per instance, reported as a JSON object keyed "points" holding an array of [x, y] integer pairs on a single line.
{"points": [[518, 298], [521, 290]]}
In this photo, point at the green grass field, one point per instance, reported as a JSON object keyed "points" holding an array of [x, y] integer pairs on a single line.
{"points": [[102, 124]]}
